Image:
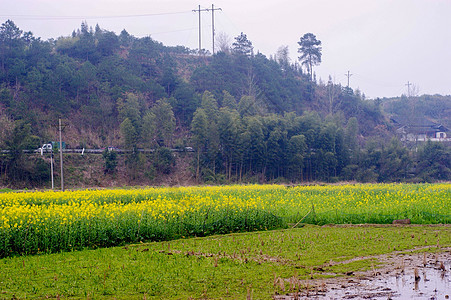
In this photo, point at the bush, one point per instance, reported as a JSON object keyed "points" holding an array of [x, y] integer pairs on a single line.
{"points": [[164, 160]]}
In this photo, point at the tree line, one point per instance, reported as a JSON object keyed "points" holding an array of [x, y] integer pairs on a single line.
{"points": [[248, 117]]}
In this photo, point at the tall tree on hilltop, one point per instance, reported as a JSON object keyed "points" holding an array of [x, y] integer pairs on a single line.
{"points": [[242, 45], [10, 35], [310, 49]]}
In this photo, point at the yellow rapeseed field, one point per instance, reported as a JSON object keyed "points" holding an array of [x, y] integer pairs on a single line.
{"points": [[35, 222]]}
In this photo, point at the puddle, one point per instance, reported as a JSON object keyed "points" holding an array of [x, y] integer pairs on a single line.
{"points": [[432, 284], [412, 276]]}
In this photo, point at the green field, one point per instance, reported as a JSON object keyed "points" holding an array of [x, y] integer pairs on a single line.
{"points": [[231, 266]]}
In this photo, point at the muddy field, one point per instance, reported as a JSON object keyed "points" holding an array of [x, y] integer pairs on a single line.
{"points": [[399, 276]]}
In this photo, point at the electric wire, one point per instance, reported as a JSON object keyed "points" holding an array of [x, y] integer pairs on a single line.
{"points": [[50, 17]]}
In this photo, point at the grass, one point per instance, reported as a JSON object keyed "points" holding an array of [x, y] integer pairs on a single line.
{"points": [[229, 266]]}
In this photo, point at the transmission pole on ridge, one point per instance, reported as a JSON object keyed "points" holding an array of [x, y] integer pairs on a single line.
{"points": [[213, 24], [200, 32], [212, 9], [408, 88], [348, 75]]}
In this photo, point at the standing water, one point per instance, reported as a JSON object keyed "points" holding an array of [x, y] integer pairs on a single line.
{"points": [[414, 276]]}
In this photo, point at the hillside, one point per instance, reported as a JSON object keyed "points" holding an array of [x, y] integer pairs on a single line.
{"points": [[435, 108], [248, 118]]}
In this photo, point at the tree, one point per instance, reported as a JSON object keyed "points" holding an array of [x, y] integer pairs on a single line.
{"points": [[310, 49], [242, 46], [223, 42], [394, 162], [108, 42], [228, 101], [229, 123], [159, 123], [10, 36], [351, 134], [6, 128], [130, 138], [434, 162], [199, 130], [85, 45], [210, 106], [254, 147], [276, 153], [110, 161], [125, 39], [164, 160], [296, 153], [184, 103], [129, 135], [247, 106], [283, 57], [130, 108], [17, 167], [333, 91]]}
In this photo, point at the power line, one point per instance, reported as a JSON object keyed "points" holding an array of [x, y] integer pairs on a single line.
{"points": [[50, 17], [171, 31]]}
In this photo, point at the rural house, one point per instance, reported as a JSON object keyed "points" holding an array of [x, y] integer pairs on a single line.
{"points": [[421, 130]]}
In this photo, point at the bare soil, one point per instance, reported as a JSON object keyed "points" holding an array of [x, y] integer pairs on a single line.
{"points": [[400, 275]]}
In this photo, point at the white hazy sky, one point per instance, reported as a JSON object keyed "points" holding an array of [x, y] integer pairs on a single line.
{"points": [[383, 43]]}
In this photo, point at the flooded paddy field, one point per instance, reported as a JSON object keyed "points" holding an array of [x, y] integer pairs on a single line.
{"points": [[401, 275]]}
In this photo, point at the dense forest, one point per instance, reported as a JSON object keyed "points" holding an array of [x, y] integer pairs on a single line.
{"points": [[246, 117]]}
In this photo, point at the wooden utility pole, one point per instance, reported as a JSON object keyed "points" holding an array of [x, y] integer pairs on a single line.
{"points": [[61, 156], [348, 75], [51, 167], [212, 9], [200, 31], [213, 25]]}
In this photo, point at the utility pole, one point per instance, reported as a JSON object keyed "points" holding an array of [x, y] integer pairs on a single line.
{"points": [[212, 9], [213, 24], [51, 167], [348, 75], [61, 156], [200, 32], [408, 84]]}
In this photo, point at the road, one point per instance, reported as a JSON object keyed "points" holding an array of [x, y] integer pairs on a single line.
{"points": [[99, 151]]}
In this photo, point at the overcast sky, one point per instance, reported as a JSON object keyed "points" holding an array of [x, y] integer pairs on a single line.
{"points": [[383, 43]]}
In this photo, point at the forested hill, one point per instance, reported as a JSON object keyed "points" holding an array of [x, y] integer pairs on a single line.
{"points": [[86, 77], [243, 113]]}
